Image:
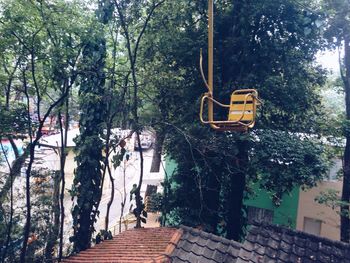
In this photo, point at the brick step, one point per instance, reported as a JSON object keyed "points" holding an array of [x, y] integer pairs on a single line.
{"points": [[102, 253], [128, 247]]}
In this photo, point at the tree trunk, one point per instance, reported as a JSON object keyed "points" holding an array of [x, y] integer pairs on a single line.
{"points": [[138, 198], [15, 171], [27, 225], [63, 157], [231, 196], [9, 226], [157, 151], [109, 204], [344, 208], [132, 55], [54, 228], [31, 148], [123, 199], [211, 197]]}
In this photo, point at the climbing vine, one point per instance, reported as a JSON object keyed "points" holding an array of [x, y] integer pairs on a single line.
{"points": [[87, 180]]}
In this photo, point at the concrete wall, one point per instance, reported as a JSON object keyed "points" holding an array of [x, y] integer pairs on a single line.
{"points": [[69, 169], [309, 208], [50, 159]]}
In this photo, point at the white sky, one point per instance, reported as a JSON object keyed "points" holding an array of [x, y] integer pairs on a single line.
{"points": [[329, 60]]}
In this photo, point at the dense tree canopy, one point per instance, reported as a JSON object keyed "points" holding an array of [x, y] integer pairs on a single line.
{"points": [[338, 34], [268, 45], [40, 52], [135, 64]]}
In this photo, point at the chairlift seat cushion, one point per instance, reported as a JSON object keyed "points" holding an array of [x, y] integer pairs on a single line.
{"points": [[242, 106]]}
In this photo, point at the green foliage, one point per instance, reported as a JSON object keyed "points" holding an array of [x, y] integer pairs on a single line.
{"points": [[42, 223], [332, 199], [157, 200], [337, 33], [13, 121], [284, 160], [267, 45], [118, 158], [87, 181], [40, 48], [103, 235], [337, 27], [139, 210]]}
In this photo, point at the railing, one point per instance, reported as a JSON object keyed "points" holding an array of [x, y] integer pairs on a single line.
{"points": [[126, 221]]}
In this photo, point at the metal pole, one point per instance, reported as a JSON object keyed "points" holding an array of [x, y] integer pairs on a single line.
{"points": [[210, 46], [210, 61]]}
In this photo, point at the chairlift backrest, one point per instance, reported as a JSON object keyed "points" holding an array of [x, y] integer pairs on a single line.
{"points": [[243, 106]]}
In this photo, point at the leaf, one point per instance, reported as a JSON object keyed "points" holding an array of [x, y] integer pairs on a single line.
{"points": [[98, 238], [110, 235], [143, 220], [122, 144], [134, 189], [144, 213], [318, 23], [307, 31]]}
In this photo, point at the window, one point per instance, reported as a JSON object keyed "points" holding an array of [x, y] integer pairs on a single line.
{"points": [[312, 226], [336, 166], [256, 214]]}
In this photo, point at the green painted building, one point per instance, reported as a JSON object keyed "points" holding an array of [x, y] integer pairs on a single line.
{"points": [[260, 205], [284, 214]]}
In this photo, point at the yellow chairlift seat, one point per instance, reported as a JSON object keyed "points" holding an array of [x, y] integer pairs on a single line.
{"points": [[242, 108], [241, 111]]}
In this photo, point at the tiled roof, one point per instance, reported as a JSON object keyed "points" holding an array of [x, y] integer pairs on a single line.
{"points": [[268, 243], [135, 245], [198, 246], [264, 244]]}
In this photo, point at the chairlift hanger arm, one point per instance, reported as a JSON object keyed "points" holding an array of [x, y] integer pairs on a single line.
{"points": [[202, 72]]}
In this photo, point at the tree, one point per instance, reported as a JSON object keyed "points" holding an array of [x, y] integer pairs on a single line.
{"points": [[338, 34], [133, 35], [14, 119], [87, 181], [88, 177], [214, 168], [47, 45]]}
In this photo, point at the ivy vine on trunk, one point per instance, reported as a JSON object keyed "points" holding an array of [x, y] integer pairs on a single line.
{"points": [[87, 181]]}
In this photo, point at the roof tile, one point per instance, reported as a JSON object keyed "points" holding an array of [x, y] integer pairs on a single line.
{"points": [[264, 244], [135, 245], [272, 243], [205, 248], [259, 248], [283, 256], [285, 247], [280, 244], [218, 256]]}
